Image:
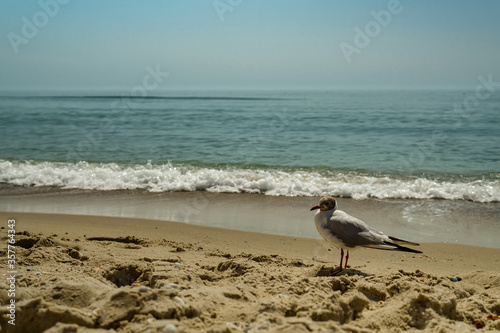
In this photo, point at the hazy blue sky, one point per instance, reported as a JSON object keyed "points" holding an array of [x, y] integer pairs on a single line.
{"points": [[247, 43]]}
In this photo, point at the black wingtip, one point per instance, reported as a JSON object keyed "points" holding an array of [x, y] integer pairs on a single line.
{"points": [[398, 240], [403, 248]]}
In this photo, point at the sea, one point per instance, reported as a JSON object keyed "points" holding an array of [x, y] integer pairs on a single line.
{"points": [[437, 151]]}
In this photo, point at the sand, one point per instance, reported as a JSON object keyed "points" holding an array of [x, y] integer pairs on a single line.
{"points": [[101, 274]]}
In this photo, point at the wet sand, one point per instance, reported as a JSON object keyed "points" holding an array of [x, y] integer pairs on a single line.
{"points": [[79, 273], [435, 221]]}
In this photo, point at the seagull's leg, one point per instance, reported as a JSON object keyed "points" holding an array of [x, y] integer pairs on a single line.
{"points": [[346, 258], [339, 269]]}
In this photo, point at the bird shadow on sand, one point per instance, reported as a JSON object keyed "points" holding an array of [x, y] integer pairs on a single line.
{"points": [[332, 271]]}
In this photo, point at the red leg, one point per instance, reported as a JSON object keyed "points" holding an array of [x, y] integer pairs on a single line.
{"points": [[346, 258], [339, 269]]}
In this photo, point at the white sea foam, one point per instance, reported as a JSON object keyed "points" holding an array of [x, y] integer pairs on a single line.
{"points": [[168, 177]]}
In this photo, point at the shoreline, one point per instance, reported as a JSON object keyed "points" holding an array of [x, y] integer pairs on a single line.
{"points": [[109, 274], [425, 220]]}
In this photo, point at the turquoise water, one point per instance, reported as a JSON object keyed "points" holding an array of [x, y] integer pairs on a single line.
{"points": [[385, 144]]}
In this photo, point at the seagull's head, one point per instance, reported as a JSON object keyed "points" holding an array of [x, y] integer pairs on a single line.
{"points": [[326, 203]]}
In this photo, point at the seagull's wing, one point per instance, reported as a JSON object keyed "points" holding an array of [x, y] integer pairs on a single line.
{"points": [[353, 232]]}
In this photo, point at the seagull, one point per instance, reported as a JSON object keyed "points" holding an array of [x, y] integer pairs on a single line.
{"points": [[346, 231]]}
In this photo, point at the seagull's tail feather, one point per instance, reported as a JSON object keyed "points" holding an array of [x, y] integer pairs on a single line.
{"points": [[402, 241], [403, 248], [389, 246]]}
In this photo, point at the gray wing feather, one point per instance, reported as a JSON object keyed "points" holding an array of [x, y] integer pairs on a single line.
{"points": [[355, 232]]}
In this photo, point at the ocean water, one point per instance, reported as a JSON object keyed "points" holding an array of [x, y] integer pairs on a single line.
{"points": [[441, 144], [420, 165]]}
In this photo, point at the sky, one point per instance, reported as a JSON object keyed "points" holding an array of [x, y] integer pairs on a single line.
{"points": [[247, 44]]}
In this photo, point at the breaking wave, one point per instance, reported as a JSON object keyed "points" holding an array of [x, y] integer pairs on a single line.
{"points": [[169, 177]]}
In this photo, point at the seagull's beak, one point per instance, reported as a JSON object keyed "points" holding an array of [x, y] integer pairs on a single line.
{"points": [[315, 207]]}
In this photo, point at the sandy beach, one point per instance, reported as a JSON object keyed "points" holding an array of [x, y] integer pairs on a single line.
{"points": [[101, 274]]}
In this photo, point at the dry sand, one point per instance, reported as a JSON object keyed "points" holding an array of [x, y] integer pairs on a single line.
{"points": [[101, 274]]}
